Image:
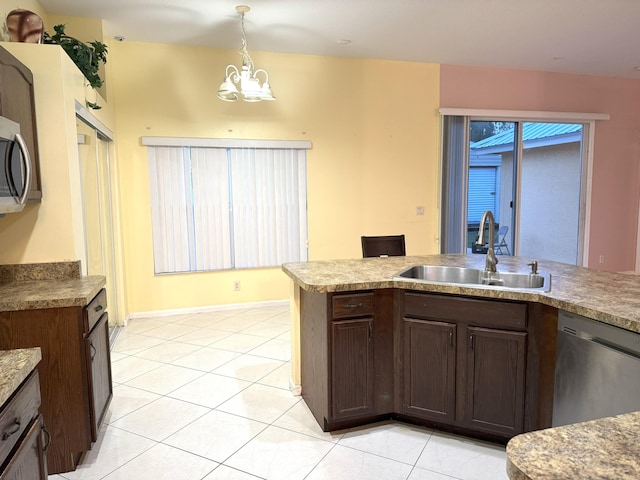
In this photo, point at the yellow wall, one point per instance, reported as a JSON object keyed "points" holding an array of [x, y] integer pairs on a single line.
{"points": [[374, 157], [51, 230], [48, 231]]}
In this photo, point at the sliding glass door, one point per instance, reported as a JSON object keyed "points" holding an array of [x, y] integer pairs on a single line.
{"points": [[530, 175], [93, 152]]}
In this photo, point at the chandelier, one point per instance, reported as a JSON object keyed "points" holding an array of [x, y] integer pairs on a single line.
{"points": [[250, 87]]}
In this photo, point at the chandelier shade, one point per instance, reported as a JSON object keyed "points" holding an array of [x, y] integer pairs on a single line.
{"points": [[251, 88]]}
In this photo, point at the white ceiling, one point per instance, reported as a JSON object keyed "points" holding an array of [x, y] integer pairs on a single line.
{"points": [[600, 37]]}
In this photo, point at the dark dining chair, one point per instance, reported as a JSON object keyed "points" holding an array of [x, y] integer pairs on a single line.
{"points": [[383, 246]]}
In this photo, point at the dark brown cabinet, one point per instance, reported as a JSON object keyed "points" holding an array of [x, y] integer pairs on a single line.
{"points": [[100, 372], [346, 365], [464, 361], [75, 375], [17, 104], [476, 366], [28, 463], [352, 367], [494, 384], [429, 369], [22, 443]]}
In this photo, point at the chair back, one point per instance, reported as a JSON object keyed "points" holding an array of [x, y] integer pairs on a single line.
{"points": [[380, 246]]}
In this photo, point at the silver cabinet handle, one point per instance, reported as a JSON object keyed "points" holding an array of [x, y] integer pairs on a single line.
{"points": [[26, 158], [352, 305]]}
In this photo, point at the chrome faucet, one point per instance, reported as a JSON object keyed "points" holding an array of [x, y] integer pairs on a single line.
{"points": [[491, 261]]}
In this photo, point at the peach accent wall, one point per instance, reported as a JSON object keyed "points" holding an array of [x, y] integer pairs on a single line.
{"points": [[616, 155]]}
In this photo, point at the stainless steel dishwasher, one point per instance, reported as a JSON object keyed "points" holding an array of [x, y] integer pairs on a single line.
{"points": [[597, 370]]}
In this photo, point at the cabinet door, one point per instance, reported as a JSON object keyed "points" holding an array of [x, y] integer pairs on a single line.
{"points": [[352, 368], [28, 462], [495, 380], [429, 370], [17, 104], [99, 373]]}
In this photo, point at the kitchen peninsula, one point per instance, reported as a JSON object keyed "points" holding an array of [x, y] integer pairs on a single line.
{"points": [[609, 297], [365, 339]]}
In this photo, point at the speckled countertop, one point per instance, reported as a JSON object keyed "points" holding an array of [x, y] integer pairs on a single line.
{"points": [[603, 449], [46, 285], [15, 366], [612, 298]]}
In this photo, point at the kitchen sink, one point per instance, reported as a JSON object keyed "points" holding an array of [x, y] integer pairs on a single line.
{"points": [[476, 277]]}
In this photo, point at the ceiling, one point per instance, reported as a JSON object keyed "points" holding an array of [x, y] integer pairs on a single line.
{"points": [[599, 37]]}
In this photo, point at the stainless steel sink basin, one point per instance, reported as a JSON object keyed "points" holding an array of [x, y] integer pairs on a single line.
{"points": [[476, 277]]}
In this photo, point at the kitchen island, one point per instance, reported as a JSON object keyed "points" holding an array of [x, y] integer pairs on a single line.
{"points": [[609, 297], [365, 284]]}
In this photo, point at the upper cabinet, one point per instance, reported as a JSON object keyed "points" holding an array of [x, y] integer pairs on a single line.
{"points": [[17, 104]]}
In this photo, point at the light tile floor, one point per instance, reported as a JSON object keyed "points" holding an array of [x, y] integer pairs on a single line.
{"points": [[206, 397]]}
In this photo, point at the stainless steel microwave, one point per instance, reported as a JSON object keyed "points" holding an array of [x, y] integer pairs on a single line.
{"points": [[15, 171]]}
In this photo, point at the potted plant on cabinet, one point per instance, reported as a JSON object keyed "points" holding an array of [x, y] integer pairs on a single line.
{"points": [[86, 56]]}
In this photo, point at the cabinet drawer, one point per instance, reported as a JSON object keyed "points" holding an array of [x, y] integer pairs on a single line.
{"points": [[472, 311], [17, 414], [96, 308], [353, 305], [28, 461]]}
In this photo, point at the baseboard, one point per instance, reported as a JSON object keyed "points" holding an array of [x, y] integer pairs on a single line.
{"points": [[295, 389], [204, 309]]}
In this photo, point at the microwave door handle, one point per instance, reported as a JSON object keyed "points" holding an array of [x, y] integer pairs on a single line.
{"points": [[7, 170], [27, 168]]}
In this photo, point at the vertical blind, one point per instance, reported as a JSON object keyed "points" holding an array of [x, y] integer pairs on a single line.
{"points": [[454, 184], [226, 208]]}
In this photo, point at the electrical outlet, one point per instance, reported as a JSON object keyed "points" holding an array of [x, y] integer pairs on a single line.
{"points": [[601, 259], [420, 210], [236, 285]]}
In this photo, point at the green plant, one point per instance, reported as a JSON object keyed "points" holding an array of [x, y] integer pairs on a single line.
{"points": [[87, 56]]}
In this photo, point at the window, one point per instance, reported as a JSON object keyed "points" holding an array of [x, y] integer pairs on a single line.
{"points": [[216, 208]]}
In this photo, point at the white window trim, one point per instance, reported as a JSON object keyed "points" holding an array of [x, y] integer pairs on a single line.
{"points": [[223, 143], [525, 114]]}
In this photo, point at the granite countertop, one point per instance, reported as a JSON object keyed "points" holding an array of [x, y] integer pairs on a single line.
{"points": [[15, 366], [604, 449], [46, 285], [612, 298]]}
